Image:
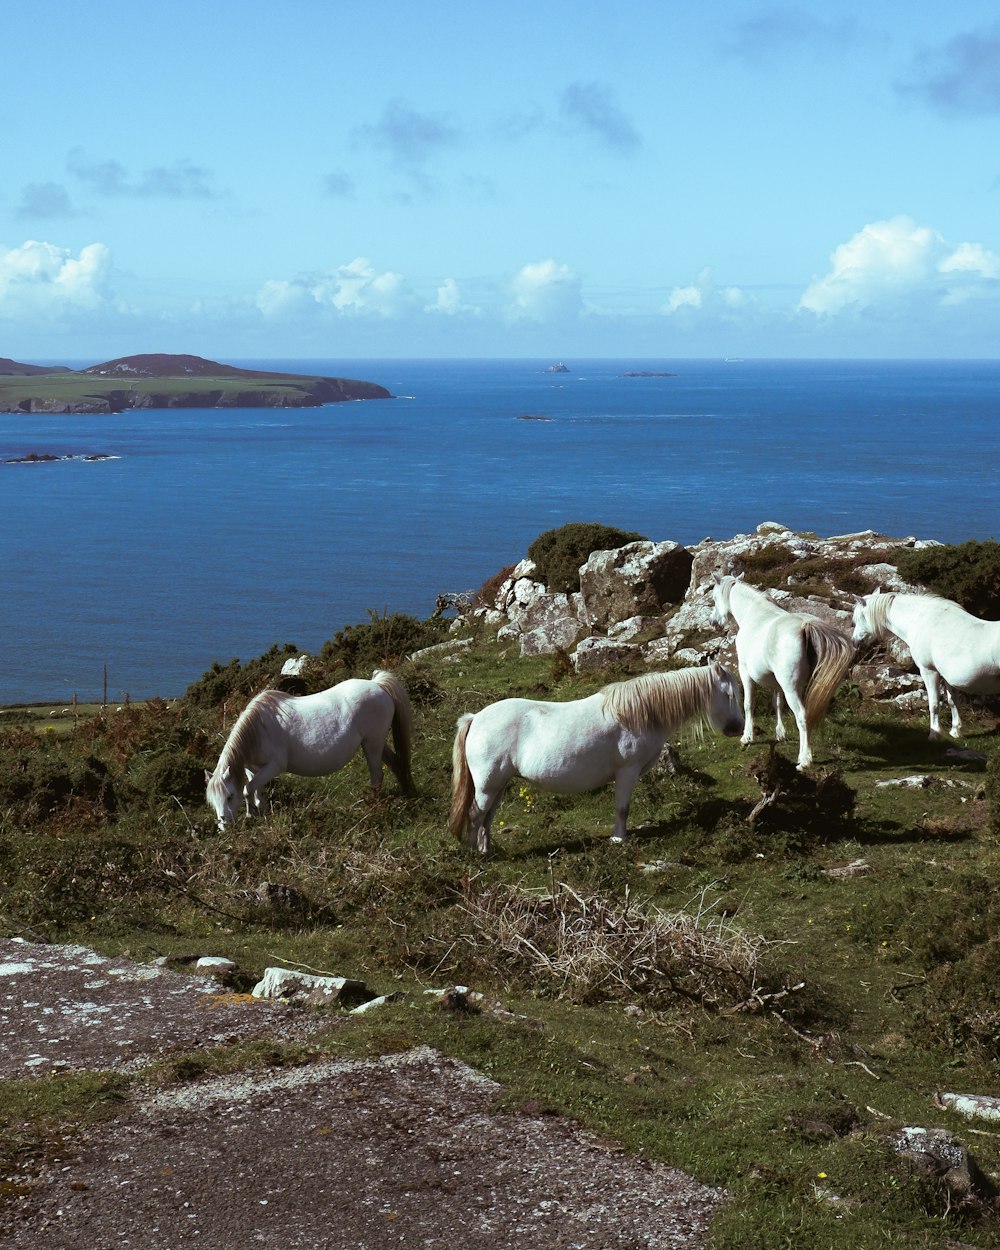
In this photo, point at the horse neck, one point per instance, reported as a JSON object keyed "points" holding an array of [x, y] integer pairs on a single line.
{"points": [[749, 596], [247, 732], [879, 610], [660, 701]]}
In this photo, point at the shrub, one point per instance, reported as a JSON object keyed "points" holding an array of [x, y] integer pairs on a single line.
{"points": [[36, 782], [224, 682], [776, 566], [486, 595], [967, 572], [558, 553], [381, 642], [169, 772]]}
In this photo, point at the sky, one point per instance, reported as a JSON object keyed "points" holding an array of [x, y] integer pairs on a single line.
{"points": [[544, 179]]}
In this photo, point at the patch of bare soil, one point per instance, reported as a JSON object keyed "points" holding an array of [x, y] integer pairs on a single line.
{"points": [[405, 1151]]}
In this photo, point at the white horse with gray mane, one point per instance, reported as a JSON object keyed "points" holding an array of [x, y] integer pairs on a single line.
{"points": [[312, 735], [615, 735], [803, 658], [952, 649]]}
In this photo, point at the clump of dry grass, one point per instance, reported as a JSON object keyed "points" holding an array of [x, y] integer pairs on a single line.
{"points": [[593, 949]]}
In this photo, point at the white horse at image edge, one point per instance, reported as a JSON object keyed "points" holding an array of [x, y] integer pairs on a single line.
{"points": [[615, 735], [801, 657], [951, 648], [312, 735]]}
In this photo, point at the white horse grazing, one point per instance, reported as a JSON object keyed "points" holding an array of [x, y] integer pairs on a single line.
{"points": [[952, 648], [803, 658], [312, 735], [616, 734]]}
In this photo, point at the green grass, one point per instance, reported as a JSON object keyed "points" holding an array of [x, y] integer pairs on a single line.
{"points": [[74, 388], [875, 991]]}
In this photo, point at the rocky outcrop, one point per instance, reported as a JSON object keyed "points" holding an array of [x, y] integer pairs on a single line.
{"points": [[648, 604], [640, 579]]}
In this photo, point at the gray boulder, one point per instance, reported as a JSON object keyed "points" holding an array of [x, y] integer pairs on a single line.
{"points": [[545, 623], [639, 579], [596, 654]]}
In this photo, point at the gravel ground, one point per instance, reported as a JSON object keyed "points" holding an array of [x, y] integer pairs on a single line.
{"points": [[403, 1151]]}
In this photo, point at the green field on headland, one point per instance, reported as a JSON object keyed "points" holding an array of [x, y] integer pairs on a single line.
{"points": [[169, 381]]}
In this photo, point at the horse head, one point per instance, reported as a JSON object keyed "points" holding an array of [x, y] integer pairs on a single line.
{"points": [[721, 590], [864, 625], [724, 714], [223, 796]]}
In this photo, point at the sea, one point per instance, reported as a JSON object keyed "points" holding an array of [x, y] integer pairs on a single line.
{"points": [[192, 536]]}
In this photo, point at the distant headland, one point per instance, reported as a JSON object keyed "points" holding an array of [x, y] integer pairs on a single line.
{"points": [[166, 381]]}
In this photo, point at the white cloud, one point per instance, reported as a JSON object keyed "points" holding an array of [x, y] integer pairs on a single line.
{"points": [[703, 295], [896, 262], [545, 291], [683, 297], [449, 301], [901, 264], [278, 297], [972, 258], [352, 289], [40, 277], [358, 288], [883, 259]]}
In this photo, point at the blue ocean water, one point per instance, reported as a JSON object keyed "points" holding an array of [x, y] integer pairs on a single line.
{"points": [[217, 533]]}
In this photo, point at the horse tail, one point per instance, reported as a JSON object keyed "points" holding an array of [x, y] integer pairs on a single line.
{"points": [[463, 788], [831, 655], [402, 727]]}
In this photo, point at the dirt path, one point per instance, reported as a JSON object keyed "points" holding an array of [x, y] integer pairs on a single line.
{"points": [[404, 1151]]}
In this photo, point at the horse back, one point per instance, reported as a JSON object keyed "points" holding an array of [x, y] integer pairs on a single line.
{"points": [[941, 635]]}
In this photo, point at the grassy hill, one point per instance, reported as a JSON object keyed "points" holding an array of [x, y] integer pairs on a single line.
{"points": [[760, 995], [169, 381]]}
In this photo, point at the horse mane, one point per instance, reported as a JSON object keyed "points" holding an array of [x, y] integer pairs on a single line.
{"points": [[877, 607], [245, 735], [660, 700]]}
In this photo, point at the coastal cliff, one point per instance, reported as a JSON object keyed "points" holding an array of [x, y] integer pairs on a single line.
{"points": [[168, 381]]}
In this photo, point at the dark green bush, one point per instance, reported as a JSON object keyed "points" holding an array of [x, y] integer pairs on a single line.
{"points": [[558, 553], [968, 572], [40, 780], [223, 682], [381, 642], [169, 772]]}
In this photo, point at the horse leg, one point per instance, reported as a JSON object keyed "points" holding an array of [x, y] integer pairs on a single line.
{"points": [[956, 716], [779, 707], [373, 758], [797, 709], [253, 791], [931, 679], [249, 794], [481, 815], [747, 684], [625, 780]]}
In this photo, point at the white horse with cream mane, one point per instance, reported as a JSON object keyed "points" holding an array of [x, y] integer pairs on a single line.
{"points": [[951, 648], [803, 658], [312, 735], [615, 735]]}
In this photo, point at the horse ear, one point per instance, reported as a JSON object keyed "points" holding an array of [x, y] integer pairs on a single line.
{"points": [[717, 578], [740, 576], [208, 776]]}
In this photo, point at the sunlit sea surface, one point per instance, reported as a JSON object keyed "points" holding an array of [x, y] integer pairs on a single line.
{"points": [[213, 534]]}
